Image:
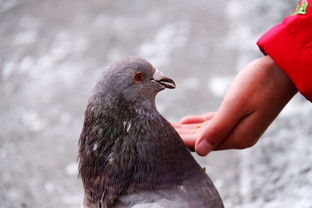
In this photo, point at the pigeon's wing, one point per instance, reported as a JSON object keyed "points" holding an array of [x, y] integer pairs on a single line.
{"points": [[196, 192], [200, 192]]}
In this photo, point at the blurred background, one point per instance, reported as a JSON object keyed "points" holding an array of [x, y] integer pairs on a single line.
{"points": [[51, 53]]}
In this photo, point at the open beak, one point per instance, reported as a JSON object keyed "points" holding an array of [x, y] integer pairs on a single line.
{"points": [[159, 77]]}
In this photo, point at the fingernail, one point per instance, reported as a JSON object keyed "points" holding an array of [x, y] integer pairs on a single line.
{"points": [[203, 148]]}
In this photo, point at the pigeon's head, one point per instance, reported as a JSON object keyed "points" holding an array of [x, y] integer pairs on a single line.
{"points": [[133, 79]]}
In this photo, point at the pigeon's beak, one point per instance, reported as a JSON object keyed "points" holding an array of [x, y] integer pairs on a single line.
{"points": [[159, 77]]}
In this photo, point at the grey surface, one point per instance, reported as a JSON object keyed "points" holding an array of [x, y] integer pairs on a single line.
{"points": [[51, 53]]}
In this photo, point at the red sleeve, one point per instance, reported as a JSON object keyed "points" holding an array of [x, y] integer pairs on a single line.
{"points": [[290, 46]]}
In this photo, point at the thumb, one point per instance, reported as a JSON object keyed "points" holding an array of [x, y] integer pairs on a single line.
{"points": [[217, 129]]}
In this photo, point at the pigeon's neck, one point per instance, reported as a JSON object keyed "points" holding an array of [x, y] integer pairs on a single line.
{"points": [[141, 151]]}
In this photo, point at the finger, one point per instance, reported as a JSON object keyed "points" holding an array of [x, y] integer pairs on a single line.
{"points": [[175, 125], [197, 118], [189, 126], [188, 131], [189, 140], [219, 127], [209, 115], [244, 135], [192, 119]]}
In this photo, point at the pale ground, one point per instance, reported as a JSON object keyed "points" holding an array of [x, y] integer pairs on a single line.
{"points": [[51, 53]]}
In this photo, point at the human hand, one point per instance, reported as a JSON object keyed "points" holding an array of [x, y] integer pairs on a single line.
{"points": [[254, 99], [190, 127]]}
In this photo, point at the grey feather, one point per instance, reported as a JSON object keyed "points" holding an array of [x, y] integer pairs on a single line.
{"points": [[129, 155]]}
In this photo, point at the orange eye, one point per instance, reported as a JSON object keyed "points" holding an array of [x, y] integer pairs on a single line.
{"points": [[138, 77]]}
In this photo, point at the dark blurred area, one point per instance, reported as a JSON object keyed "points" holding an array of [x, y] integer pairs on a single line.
{"points": [[51, 53]]}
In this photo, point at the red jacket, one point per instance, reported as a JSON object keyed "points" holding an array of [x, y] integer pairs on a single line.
{"points": [[290, 46]]}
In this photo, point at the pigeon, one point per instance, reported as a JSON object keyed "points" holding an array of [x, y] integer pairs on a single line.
{"points": [[129, 154]]}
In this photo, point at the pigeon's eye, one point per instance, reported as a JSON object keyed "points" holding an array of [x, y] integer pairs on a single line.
{"points": [[138, 77]]}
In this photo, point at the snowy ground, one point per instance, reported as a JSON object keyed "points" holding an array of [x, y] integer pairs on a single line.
{"points": [[51, 53]]}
